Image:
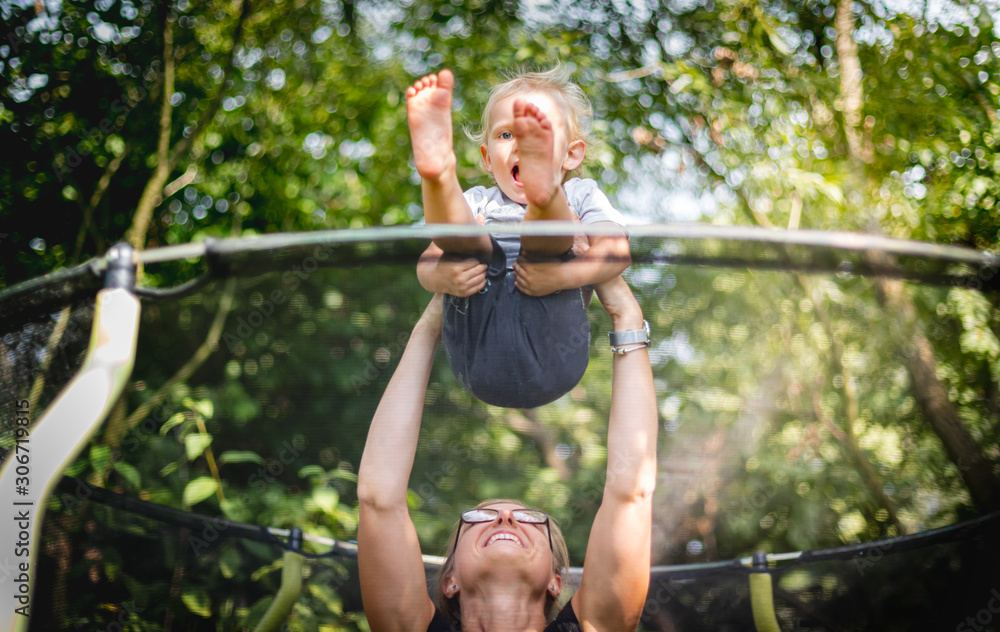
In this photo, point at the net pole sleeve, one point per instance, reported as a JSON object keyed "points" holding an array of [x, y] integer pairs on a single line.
{"points": [[43, 450], [762, 596], [288, 593]]}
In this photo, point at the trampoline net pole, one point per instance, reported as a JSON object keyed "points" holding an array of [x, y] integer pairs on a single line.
{"points": [[44, 450], [288, 593], [762, 596]]}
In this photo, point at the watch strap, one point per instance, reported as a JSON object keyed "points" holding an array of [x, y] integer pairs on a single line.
{"points": [[630, 336]]}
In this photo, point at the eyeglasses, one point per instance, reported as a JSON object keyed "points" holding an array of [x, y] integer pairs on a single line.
{"points": [[524, 516]]}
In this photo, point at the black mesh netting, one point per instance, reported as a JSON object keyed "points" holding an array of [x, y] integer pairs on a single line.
{"points": [[38, 356], [787, 397]]}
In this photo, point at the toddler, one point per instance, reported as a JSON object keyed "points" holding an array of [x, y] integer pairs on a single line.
{"points": [[515, 327]]}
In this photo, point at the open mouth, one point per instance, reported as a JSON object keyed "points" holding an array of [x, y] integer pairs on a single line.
{"points": [[504, 537], [514, 172]]}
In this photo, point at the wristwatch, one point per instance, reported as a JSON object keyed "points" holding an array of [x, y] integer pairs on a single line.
{"points": [[629, 337]]}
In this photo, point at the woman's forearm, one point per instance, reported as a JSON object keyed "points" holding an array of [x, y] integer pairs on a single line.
{"points": [[616, 568], [632, 430], [392, 438]]}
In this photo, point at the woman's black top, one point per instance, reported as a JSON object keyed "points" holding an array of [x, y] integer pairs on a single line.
{"points": [[564, 622]]}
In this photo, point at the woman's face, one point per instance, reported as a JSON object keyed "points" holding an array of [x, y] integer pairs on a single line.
{"points": [[503, 549]]}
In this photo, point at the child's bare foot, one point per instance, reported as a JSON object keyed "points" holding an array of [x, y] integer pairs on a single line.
{"points": [[535, 147], [428, 113]]}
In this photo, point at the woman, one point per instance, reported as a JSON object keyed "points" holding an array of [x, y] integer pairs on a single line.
{"points": [[503, 571]]}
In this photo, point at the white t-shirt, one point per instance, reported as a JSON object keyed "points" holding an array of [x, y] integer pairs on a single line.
{"points": [[492, 207]]}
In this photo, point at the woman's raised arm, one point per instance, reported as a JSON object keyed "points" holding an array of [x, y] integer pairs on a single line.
{"points": [[616, 568], [393, 585]]}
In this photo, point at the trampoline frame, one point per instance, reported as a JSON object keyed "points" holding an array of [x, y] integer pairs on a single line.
{"points": [[77, 412]]}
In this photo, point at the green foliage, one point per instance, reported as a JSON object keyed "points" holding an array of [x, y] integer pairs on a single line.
{"points": [[777, 388]]}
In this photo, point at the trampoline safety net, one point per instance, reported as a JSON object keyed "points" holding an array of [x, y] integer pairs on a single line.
{"points": [[793, 415]]}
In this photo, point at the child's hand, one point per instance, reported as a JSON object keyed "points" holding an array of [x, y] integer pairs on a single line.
{"points": [[460, 277]]}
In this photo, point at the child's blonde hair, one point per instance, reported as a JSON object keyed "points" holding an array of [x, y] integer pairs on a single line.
{"points": [[554, 82]]}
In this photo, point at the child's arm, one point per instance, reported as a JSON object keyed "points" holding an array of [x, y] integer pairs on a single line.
{"points": [[441, 273], [606, 258]]}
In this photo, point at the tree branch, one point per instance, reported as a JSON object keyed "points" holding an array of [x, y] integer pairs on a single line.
{"points": [[182, 181], [919, 361], [185, 144], [851, 90], [167, 159], [932, 397], [95, 199], [136, 233], [850, 411], [918, 353], [209, 345], [526, 422]]}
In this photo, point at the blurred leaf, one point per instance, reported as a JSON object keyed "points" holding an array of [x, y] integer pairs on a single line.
{"points": [[174, 420], [99, 456], [326, 499], [197, 601], [199, 489], [130, 473], [229, 562], [265, 570], [311, 470], [195, 444], [240, 456], [202, 406]]}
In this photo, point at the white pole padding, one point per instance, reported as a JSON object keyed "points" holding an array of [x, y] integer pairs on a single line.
{"points": [[45, 448]]}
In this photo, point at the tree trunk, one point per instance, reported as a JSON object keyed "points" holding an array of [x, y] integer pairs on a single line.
{"points": [[932, 398], [918, 354]]}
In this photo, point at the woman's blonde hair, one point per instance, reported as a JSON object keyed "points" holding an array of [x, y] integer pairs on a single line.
{"points": [[560, 564], [554, 82]]}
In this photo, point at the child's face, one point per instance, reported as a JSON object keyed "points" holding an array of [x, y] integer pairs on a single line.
{"points": [[500, 151]]}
